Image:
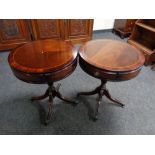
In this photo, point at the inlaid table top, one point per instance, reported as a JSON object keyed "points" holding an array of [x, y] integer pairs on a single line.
{"points": [[111, 55], [42, 56], [43, 61]]}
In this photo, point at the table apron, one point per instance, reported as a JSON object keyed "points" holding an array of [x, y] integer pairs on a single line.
{"points": [[41, 78]]}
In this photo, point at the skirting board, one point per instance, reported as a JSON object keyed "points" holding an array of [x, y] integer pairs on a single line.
{"points": [[102, 31]]}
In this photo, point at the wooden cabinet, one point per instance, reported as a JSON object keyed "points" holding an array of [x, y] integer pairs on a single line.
{"points": [[75, 30], [13, 32], [47, 28], [124, 27], [143, 37], [16, 32], [79, 30]]}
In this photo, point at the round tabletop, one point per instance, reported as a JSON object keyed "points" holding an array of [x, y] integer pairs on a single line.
{"points": [[111, 55], [42, 56]]}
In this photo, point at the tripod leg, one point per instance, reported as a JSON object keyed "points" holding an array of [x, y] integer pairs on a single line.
{"points": [[99, 99], [153, 67], [91, 92], [87, 93], [107, 94], [65, 99], [57, 87], [40, 97], [50, 108]]}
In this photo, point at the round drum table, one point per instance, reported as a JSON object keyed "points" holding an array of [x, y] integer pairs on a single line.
{"points": [[44, 62], [109, 60]]}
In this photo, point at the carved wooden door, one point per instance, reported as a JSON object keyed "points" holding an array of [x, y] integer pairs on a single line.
{"points": [[79, 30], [13, 32], [47, 28]]}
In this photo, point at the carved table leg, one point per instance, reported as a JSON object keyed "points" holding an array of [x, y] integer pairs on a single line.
{"points": [[107, 94], [50, 106], [66, 99], [87, 93], [52, 92], [153, 67], [41, 97], [101, 91], [91, 92], [99, 99]]}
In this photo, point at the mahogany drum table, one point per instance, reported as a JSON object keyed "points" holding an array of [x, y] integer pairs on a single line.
{"points": [[44, 62], [109, 60]]}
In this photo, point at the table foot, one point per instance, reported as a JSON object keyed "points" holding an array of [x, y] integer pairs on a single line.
{"points": [[41, 97], [101, 91], [52, 92], [107, 94], [153, 67]]}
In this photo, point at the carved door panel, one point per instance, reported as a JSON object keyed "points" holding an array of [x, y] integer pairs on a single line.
{"points": [[78, 30], [47, 28], [13, 32]]}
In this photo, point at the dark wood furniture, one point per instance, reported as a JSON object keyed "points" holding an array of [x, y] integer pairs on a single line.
{"points": [[47, 28], [79, 30], [14, 32], [143, 37], [109, 60], [124, 27], [44, 62], [75, 30]]}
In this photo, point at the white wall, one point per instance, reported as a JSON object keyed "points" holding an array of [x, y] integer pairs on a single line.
{"points": [[101, 24]]}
